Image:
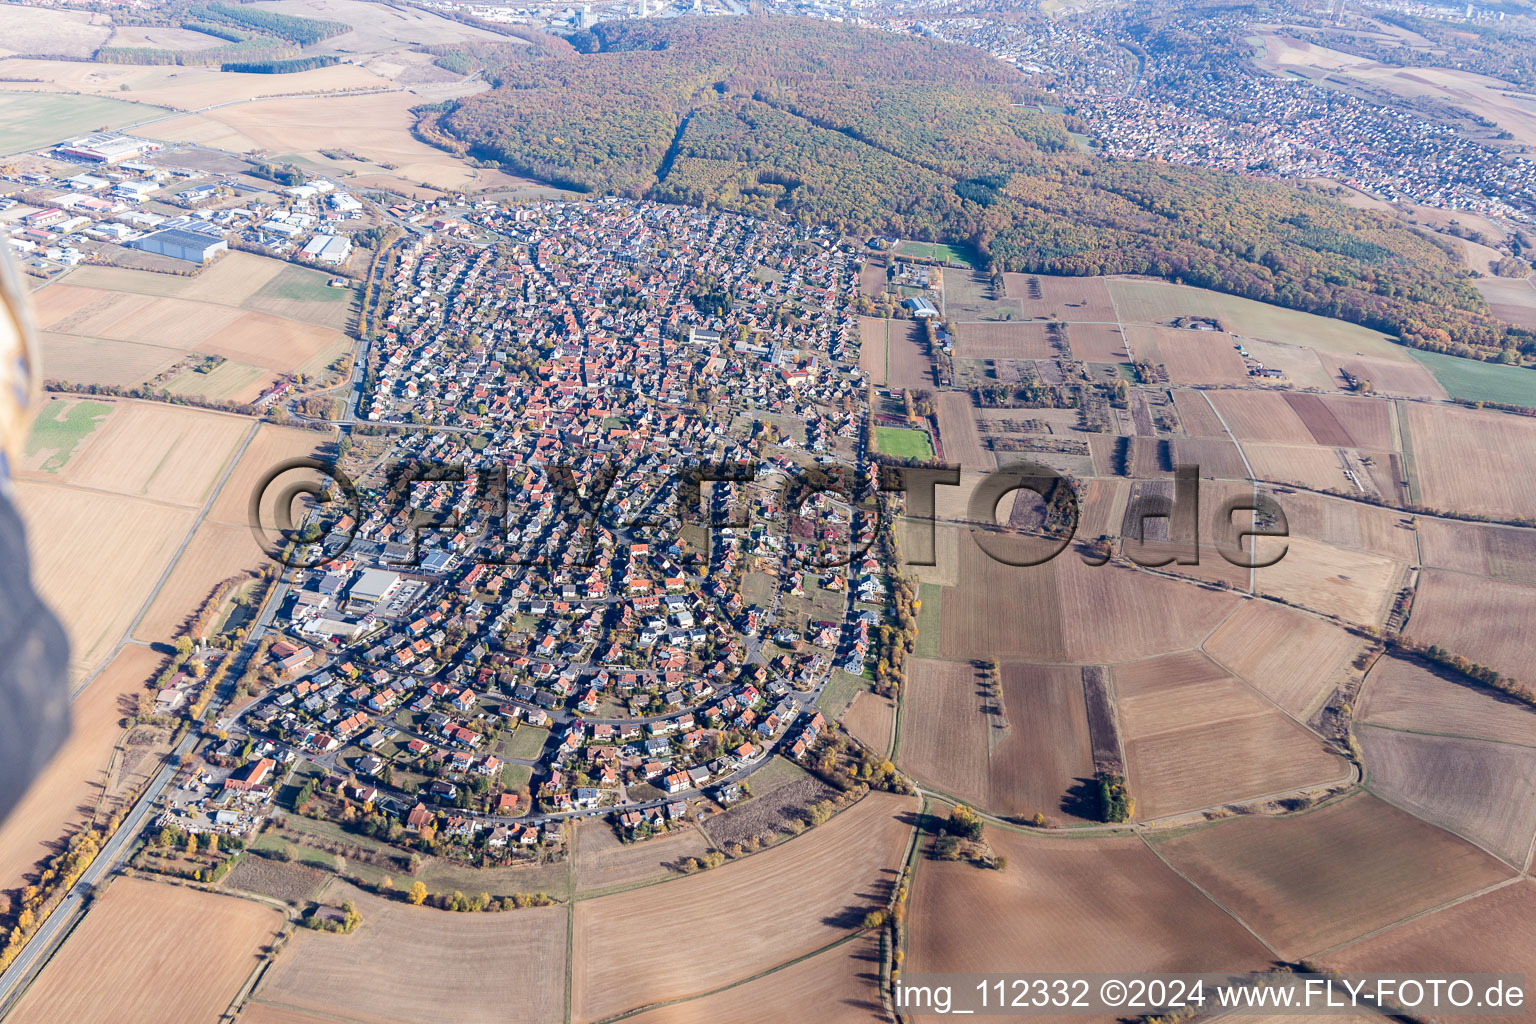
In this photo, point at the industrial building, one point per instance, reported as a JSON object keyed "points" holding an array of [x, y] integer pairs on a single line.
{"points": [[182, 245], [105, 148], [331, 249]]}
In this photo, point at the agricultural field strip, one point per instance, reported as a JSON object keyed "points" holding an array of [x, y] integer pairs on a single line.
{"points": [[1141, 834], [1525, 861], [213, 494], [174, 112], [64, 279], [1246, 464], [1447, 905]]}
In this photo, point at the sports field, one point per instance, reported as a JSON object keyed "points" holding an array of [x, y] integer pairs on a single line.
{"points": [[904, 443], [963, 254]]}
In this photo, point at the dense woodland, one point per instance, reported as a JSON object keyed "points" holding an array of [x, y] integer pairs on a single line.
{"points": [[870, 131]]}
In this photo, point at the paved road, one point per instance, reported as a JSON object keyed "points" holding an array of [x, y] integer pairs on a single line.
{"points": [[41, 946]]}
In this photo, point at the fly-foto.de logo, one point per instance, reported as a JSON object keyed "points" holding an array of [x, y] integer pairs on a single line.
{"points": [[822, 517]]}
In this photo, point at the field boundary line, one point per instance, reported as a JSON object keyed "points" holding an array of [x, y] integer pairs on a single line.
{"points": [[735, 984], [1222, 906], [175, 558], [1495, 887], [1442, 735], [1252, 477]]}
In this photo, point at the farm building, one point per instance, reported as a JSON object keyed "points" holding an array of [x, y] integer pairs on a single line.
{"points": [[181, 245], [921, 306]]}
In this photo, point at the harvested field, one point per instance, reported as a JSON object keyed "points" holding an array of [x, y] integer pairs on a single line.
{"points": [[159, 452], [1478, 789], [261, 1013], [958, 433], [603, 862], [1260, 416], [160, 37], [870, 719], [179, 88], [1503, 552], [1510, 299], [63, 798], [259, 339], [1025, 753], [385, 30], [376, 126], [1487, 621], [96, 558], [820, 886], [199, 948], [1065, 611], [1069, 905], [1097, 343], [58, 33], [78, 360], [1197, 416], [1074, 299], [270, 446], [1217, 459], [1352, 524], [1182, 717], [1303, 465], [296, 884], [843, 984], [1472, 460], [1388, 376], [501, 967], [1143, 300], [1189, 357], [872, 332], [1346, 422], [1003, 341], [216, 552], [1293, 659], [1312, 881], [240, 280], [230, 380], [1416, 696], [1495, 932], [907, 362], [872, 280], [1101, 507], [1357, 586]]}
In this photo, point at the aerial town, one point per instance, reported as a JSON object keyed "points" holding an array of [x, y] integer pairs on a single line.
{"points": [[665, 653]]}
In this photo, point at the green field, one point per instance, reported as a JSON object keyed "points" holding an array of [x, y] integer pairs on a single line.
{"points": [[928, 620], [32, 120], [299, 293], [938, 251], [61, 428], [903, 442], [515, 777], [525, 742], [1474, 381]]}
